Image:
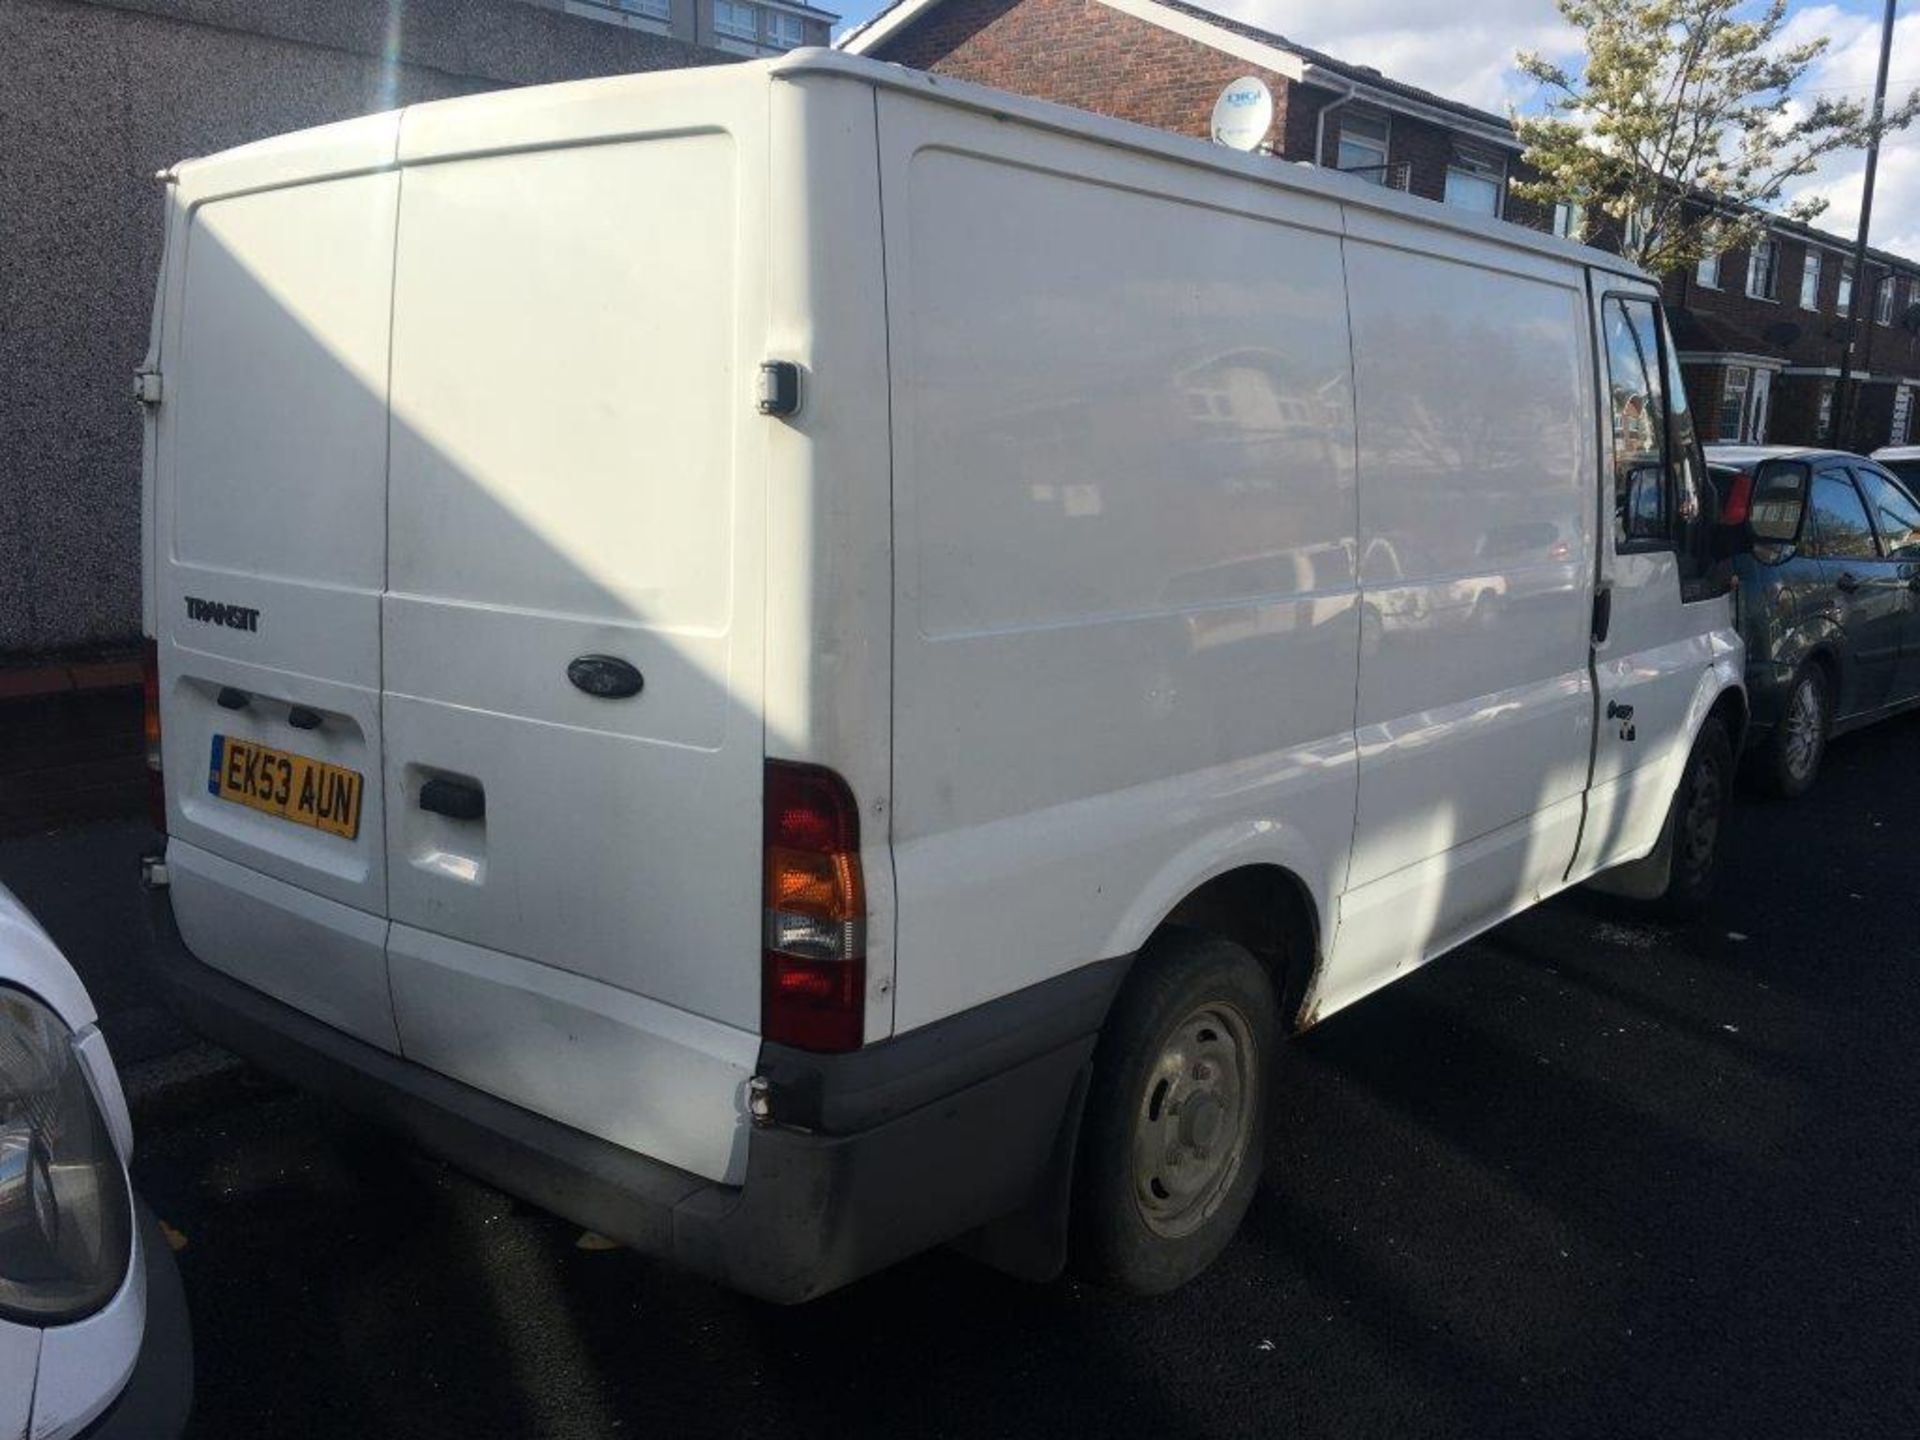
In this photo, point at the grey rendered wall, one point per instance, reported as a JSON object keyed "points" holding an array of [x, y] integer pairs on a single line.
{"points": [[95, 96]]}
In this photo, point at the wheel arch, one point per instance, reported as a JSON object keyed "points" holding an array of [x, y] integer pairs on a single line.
{"points": [[1266, 909]]}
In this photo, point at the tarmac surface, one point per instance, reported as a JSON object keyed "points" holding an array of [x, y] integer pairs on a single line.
{"points": [[1590, 1175]]}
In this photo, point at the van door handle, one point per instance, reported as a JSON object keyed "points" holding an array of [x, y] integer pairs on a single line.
{"points": [[1848, 581], [1602, 614], [301, 718], [456, 799], [230, 698]]}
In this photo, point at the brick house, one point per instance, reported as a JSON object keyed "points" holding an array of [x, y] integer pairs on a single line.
{"points": [[1761, 331], [1760, 338]]}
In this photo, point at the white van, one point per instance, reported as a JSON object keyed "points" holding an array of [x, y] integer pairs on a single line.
{"points": [[798, 661]]}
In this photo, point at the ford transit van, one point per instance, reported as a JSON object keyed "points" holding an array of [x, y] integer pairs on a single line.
{"points": [[797, 661]]}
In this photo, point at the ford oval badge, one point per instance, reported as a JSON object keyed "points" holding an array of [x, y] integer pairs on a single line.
{"points": [[606, 677]]}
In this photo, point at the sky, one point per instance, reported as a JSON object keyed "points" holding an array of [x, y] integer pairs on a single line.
{"points": [[1465, 51]]}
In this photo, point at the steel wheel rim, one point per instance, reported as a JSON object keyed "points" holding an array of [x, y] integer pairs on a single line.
{"points": [[1701, 830], [1803, 728], [1194, 1119]]}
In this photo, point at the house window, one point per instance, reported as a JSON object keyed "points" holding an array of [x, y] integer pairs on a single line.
{"points": [[1846, 288], [736, 20], [1897, 433], [1810, 281], [1568, 217], [1825, 420], [1733, 402], [1883, 302], [1363, 146], [1707, 272], [1763, 263], [1475, 180], [657, 9], [785, 30]]}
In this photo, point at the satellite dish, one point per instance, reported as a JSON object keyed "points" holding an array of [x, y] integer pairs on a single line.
{"points": [[1243, 114]]}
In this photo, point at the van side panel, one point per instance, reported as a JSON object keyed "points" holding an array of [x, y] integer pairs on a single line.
{"points": [[1477, 474], [1126, 619]]}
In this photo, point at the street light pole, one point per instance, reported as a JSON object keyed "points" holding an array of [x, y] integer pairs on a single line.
{"points": [[1836, 418]]}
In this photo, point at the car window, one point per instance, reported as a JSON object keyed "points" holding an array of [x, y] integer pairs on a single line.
{"points": [[1895, 515], [1841, 528]]}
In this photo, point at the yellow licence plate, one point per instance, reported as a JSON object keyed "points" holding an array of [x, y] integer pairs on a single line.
{"points": [[278, 782]]}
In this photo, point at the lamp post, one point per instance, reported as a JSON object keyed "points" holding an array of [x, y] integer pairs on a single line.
{"points": [[1842, 401]]}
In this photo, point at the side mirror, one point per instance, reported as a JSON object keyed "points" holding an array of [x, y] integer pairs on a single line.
{"points": [[1646, 507]]}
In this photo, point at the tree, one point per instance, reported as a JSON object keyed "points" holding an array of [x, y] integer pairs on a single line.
{"points": [[1683, 127]]}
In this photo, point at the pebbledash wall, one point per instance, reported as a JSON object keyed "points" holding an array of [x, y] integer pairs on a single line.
{"points": [[95, 96], [1760, 364]]}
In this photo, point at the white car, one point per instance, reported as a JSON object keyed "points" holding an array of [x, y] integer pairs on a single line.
{"points": [[94, 1338], [1902, 460]]}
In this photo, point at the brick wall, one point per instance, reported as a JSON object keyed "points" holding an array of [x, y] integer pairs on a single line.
{"points": [[1802, 336]]}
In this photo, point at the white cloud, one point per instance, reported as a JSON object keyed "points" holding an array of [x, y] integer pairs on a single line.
{"points": [[1462, 51]]}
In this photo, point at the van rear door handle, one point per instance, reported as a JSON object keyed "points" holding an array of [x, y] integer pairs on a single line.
{"points": [[1848, 581], [456, 799]]}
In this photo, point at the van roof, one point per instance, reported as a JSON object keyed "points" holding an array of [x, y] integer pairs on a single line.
{"points": [[1303, 176], [369, 142]]}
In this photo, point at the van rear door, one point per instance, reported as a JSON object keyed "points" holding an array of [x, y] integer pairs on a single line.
{"points": [[269, 558], [572, 634]]}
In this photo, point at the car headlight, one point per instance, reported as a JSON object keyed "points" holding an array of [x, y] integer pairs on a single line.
{"points": [[65, 1213]]}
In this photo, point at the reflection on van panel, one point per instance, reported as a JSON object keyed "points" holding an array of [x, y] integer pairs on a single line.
{"points": [[1085, 603]]}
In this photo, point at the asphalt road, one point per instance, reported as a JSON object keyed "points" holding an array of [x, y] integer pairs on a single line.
{"points": [[1588, 1176]]}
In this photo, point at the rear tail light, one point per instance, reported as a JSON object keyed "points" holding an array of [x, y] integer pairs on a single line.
{"points": [[1739, 504], [814, 966], [150, 694]]}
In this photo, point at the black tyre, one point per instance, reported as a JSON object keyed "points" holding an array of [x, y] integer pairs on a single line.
{"points": [[1791, 760], [1699, 806], [1174, 1133]]}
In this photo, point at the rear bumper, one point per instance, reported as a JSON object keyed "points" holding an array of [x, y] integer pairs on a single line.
{"points": [[869, 1158]]}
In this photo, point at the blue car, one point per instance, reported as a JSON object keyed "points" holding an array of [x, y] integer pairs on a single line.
{"points": [[1828, 600]]}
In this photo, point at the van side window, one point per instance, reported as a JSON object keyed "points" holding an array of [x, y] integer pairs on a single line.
{"points": [[1642, 494], [1659, 483], [1841, 530], [1895, 515]]}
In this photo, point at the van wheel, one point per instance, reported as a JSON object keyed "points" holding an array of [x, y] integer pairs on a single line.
{"points": [[1699, 805], [1799, 742], [1174, 1134]]}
